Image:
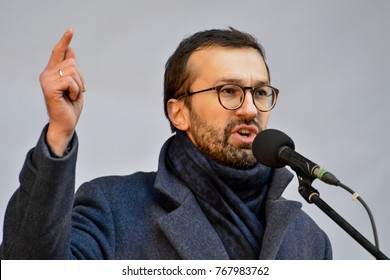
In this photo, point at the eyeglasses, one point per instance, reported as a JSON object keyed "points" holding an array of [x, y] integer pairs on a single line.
{"points": [[232, 96]]}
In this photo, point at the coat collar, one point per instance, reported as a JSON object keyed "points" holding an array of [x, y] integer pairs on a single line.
{"points": [[280, 213], [187, 228], [190, 232]]}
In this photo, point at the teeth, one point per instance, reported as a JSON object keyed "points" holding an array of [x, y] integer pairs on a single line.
{"points": [[244, 132]]}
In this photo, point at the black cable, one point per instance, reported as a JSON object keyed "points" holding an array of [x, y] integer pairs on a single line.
{"points": [[356, 196]]}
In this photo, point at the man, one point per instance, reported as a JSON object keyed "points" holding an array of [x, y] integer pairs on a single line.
{"points": [[209, 198]]}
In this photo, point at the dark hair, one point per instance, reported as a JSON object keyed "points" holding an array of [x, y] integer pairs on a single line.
{"points": [[177, 79]]}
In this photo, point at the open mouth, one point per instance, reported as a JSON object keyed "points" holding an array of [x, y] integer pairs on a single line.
{"points": [[244, 132]]}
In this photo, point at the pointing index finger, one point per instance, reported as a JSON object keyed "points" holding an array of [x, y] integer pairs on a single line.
{"points": [[59, 50]]}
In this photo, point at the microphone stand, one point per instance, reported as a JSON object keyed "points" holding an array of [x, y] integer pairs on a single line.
{"points": [[311, 195]]}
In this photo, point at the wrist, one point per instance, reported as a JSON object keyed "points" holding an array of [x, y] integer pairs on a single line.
{"points": [[58, 141]]}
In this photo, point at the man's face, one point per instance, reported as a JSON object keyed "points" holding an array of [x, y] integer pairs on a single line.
{"points": [[225, 135]]}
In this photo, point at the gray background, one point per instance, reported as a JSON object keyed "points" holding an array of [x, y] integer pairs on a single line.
{"points": [[330, 60]]}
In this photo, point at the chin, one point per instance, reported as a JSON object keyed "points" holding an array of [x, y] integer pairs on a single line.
{"points": [[242, 159]]}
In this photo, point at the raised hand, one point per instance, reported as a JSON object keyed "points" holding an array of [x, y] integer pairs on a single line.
{"points": [[63, 87]]}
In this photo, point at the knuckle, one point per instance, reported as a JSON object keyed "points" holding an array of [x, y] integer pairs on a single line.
{"points": [[43, 77], [71, 83], [72, 72], [69, 79]]}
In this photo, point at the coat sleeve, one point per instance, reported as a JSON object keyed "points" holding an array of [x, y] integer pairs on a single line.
{"points": [[37, 222]]}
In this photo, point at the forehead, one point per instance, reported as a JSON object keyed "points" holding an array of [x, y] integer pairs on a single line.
{"points": [[216, 63]]}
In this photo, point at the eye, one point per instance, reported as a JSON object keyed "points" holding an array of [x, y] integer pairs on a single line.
{"points": [[230, 90], [261, 92]]}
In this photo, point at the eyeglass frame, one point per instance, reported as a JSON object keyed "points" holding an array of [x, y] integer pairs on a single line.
{"points": [[244, 89]]}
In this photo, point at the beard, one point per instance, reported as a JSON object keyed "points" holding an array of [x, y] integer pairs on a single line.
{"points": [[214, 142]]}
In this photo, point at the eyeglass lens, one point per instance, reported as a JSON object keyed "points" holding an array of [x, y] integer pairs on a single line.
{"points": [[232, 97]]}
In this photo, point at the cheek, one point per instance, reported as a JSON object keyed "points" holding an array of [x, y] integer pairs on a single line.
{"points": [[216, 118], [208, 109], [263, 119]]}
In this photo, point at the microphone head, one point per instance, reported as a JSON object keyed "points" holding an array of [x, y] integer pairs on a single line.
{"points": [[266, 146]]}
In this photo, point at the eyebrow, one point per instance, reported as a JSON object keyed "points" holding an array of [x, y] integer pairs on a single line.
{"points": [[239, 82]]}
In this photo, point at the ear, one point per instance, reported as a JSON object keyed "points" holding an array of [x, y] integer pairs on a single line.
{"points": [[178, 114]]}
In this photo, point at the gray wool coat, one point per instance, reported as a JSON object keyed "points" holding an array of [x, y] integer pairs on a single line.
{"points": [[139, 216]]}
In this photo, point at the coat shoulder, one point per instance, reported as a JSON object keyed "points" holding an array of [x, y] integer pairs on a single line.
{"points": [[119, 189]]}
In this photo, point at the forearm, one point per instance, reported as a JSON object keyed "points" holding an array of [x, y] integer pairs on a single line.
{"points": [[37, 223]]}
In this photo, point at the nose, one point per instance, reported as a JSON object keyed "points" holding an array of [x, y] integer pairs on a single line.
{"points": [[248, 109]]}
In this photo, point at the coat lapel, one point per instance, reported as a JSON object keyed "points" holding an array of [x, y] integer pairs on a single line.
{"points": [[185, 225], [280, 216], [190, 233]]}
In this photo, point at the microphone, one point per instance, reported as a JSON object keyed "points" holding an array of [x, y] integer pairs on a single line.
{"points": [[275, 149]]}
